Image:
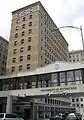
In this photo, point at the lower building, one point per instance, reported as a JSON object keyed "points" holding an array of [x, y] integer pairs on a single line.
{"points": [[76, 56], [54, 79], [3, 55]]}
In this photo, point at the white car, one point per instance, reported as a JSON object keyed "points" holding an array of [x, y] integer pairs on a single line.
{"points": [[71, 116], [10, 116]]}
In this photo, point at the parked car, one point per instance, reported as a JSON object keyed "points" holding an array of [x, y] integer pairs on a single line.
{"points": [[74, 116], [78, 116], [71, 116], [57, 117], [10, 116]]}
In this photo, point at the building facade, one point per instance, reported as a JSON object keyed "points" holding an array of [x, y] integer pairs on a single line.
{"points": [[60, 74], [76, 56], [32, 42], [3, 55], [26, 87]]}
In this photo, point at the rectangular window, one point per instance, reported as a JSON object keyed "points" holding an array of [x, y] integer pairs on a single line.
{"points": [[30, 16], [30, 31], [24, 12], [70, 76], [54, 79], [29, 48], [21, 58], [73, 100], [21, 49], [78, 75], [15, 43], [17, 21], [13, 69], [16, 35], [18, 14], [14, 51], [20, 68], [29, 39], [28, 66], [62, 77], [30, 23], [28, 57], [24, 18], [22, 41], [23, 26], [14, 60], [17, 27], [23, 33], [81, 99], [77, 99]]}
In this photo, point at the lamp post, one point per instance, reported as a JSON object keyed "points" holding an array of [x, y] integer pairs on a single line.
{"points": [[79, 28]]}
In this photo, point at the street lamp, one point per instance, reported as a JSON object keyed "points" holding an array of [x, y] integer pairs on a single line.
{"points": [[79, 28]]}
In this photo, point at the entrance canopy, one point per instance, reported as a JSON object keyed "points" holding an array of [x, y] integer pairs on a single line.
{"points": [[70, 90]]}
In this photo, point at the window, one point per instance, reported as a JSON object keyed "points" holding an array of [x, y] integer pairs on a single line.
{"points": [[16, 35], [23, 33], [70, 76], [10, 116], [30, 16], [73, 105], [22, 41], [73, 100], [17, 27], [3, 62], [77, 99], [24, 12], [45, 100], [30, 23], [28, 57], [13, 69], [28, 66], [15, 43], [78, 75], [81, 99], [77, 105], [14, 51], [23, 26], [29, 39], [1, 115], [20, 68], [29, 48], [54, 79], [18, 14], [14, 60], [21, 49], [30, 31], [17, 21], [41, 57], [73, 60], [62, 77], [17, 108], [24, 18], [69, 56], [81, 105], [21, 58], [3, 56], [41, 48]]}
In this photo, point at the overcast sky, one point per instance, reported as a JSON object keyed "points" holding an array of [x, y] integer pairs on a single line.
{"points": [[63, 12]]}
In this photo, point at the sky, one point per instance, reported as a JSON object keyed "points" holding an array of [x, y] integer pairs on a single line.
{"points": [[63, 13]]}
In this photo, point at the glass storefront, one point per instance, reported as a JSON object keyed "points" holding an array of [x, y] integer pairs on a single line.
{"points": [[43, 80]]}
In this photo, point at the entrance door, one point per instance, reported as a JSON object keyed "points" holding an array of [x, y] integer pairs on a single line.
{"points": [[27, 114], [1, 107]]}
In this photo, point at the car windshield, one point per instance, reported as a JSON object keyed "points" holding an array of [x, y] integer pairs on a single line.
{"points": [[1, 115]]}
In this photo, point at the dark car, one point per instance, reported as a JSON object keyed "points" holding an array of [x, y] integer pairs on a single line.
{"points": [[78, 116], [57, 117]]}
